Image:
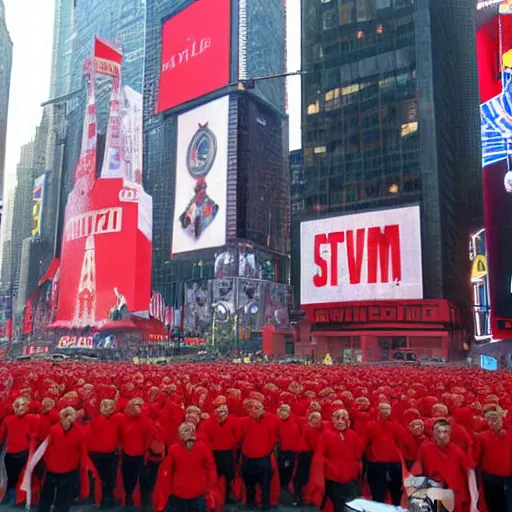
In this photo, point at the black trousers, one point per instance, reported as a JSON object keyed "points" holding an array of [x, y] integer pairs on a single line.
{"points": [[225, 462], [14, 464], [302, 474], [339, 494], [384, 476], [132, 468], [497, 492], [182, 505], [148, 479], [286, 465], [257, 472], [106, 465], [59, 489]]}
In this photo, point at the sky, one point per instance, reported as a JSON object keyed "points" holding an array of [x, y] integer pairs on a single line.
{"points": [[30, 24]]}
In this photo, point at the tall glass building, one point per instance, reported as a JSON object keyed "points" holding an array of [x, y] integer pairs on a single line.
{"points": [[5, 82], [390, 117]]}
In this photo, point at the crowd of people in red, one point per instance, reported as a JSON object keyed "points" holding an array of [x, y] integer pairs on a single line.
{"points": [[193, 437]]}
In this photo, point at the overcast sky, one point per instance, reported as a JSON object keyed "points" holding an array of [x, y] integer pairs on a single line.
{"points": [[30, 23]]}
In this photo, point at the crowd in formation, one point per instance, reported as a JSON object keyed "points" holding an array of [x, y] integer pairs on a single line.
{"points": [[196, 437]]}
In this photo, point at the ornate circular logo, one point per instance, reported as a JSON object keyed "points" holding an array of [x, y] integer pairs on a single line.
{"points": [[201, 152]]}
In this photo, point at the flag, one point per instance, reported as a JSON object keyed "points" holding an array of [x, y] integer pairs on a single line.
{"points": [[168, 317], [157, 306], [26, 484], [107, 51]]}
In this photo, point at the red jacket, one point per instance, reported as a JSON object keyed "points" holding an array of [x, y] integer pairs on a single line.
{"points": [[383, 438], [288, 435], [309, 438], [221, 436], [448, 465], [18, 432], [66, 449], [259, 437], [46, 421], [136, 434], [411, 445], [494, 453], [341, 453], [103, 434], [190, 473]]}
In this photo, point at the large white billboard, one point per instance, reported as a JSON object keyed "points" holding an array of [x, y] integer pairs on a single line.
{"points": [[201, 178], [366, 256]]}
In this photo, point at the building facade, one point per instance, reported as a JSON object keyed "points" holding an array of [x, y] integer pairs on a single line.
{"points": [[254, 254], [5, 82], [390, 119], [297, 180]]}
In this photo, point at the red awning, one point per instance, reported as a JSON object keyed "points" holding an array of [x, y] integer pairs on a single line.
{"points": [[50, 272]]}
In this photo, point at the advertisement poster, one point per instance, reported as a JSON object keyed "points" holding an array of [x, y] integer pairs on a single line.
{"points": [[494, 57], [37, 206], [196, 52], [366, 256], [201, 178]]}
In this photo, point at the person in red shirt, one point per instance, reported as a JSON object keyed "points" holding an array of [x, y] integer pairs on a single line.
{"points": [[258, 438], [309, 438], [446, 463], [339, 454], [221, 434], [137, 432], [383, 438], [49, 416], [188, 477], [288, 439], [413, 440], [19, 432], [103, 434], [494, 456], [65, 455]]}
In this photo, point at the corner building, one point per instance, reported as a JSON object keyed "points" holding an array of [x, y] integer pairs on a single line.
{"points": [[390, 119], [243, 276]]}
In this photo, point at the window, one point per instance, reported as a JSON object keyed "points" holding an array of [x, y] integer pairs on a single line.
{"points": [[314, 108], [346, 13], [329, 19], [365, 10]]}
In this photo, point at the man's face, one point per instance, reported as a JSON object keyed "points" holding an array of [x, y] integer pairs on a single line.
{"points": [[440, 411], [417, 427], [136, 406], [221, 413], [187, 433], [107, 407], [384, 411], [284, 412], [47, 405], [315, 420], [340, 420], [192, 417], [442, 434], [20, 406], [495, 421], [67, 417], [256, 410]]}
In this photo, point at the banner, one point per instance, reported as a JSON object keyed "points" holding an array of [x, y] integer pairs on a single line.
{"points": [[37, 206]]}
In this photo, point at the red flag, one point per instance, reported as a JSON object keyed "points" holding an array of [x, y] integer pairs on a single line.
{"points": [[107, 51], [28, 323]]}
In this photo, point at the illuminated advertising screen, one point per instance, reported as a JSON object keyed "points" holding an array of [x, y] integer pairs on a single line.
{"points": [[488, 363], [201, 178], [494, 52], [366, 256], [196, 53], [37, 206]]}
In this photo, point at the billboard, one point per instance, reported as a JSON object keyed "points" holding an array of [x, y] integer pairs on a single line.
{"points": [[201, 178], [494, 56], [37, 206], [196, 53], [366, 256], [105, 263]]}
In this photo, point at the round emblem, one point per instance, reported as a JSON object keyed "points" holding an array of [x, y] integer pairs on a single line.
{"points": [[201, 152]]}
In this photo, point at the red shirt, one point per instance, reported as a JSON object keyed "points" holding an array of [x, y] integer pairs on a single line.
{"points": [[341, 452], [411, 445], [259, 437], [221, 436], [383, 438], [103, 433], [136, 434], [449, 466], [46, 421], [494, 453], [288, 434], [18, 432], [309, 438], [66, 449], [191, 472]]}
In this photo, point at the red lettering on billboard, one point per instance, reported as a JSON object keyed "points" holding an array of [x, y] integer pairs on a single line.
{"points": [[383, 249], [196, 53]]}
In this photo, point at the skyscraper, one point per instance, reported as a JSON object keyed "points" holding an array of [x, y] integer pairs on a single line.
{"points": [[390, 118], [5, 80]]}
